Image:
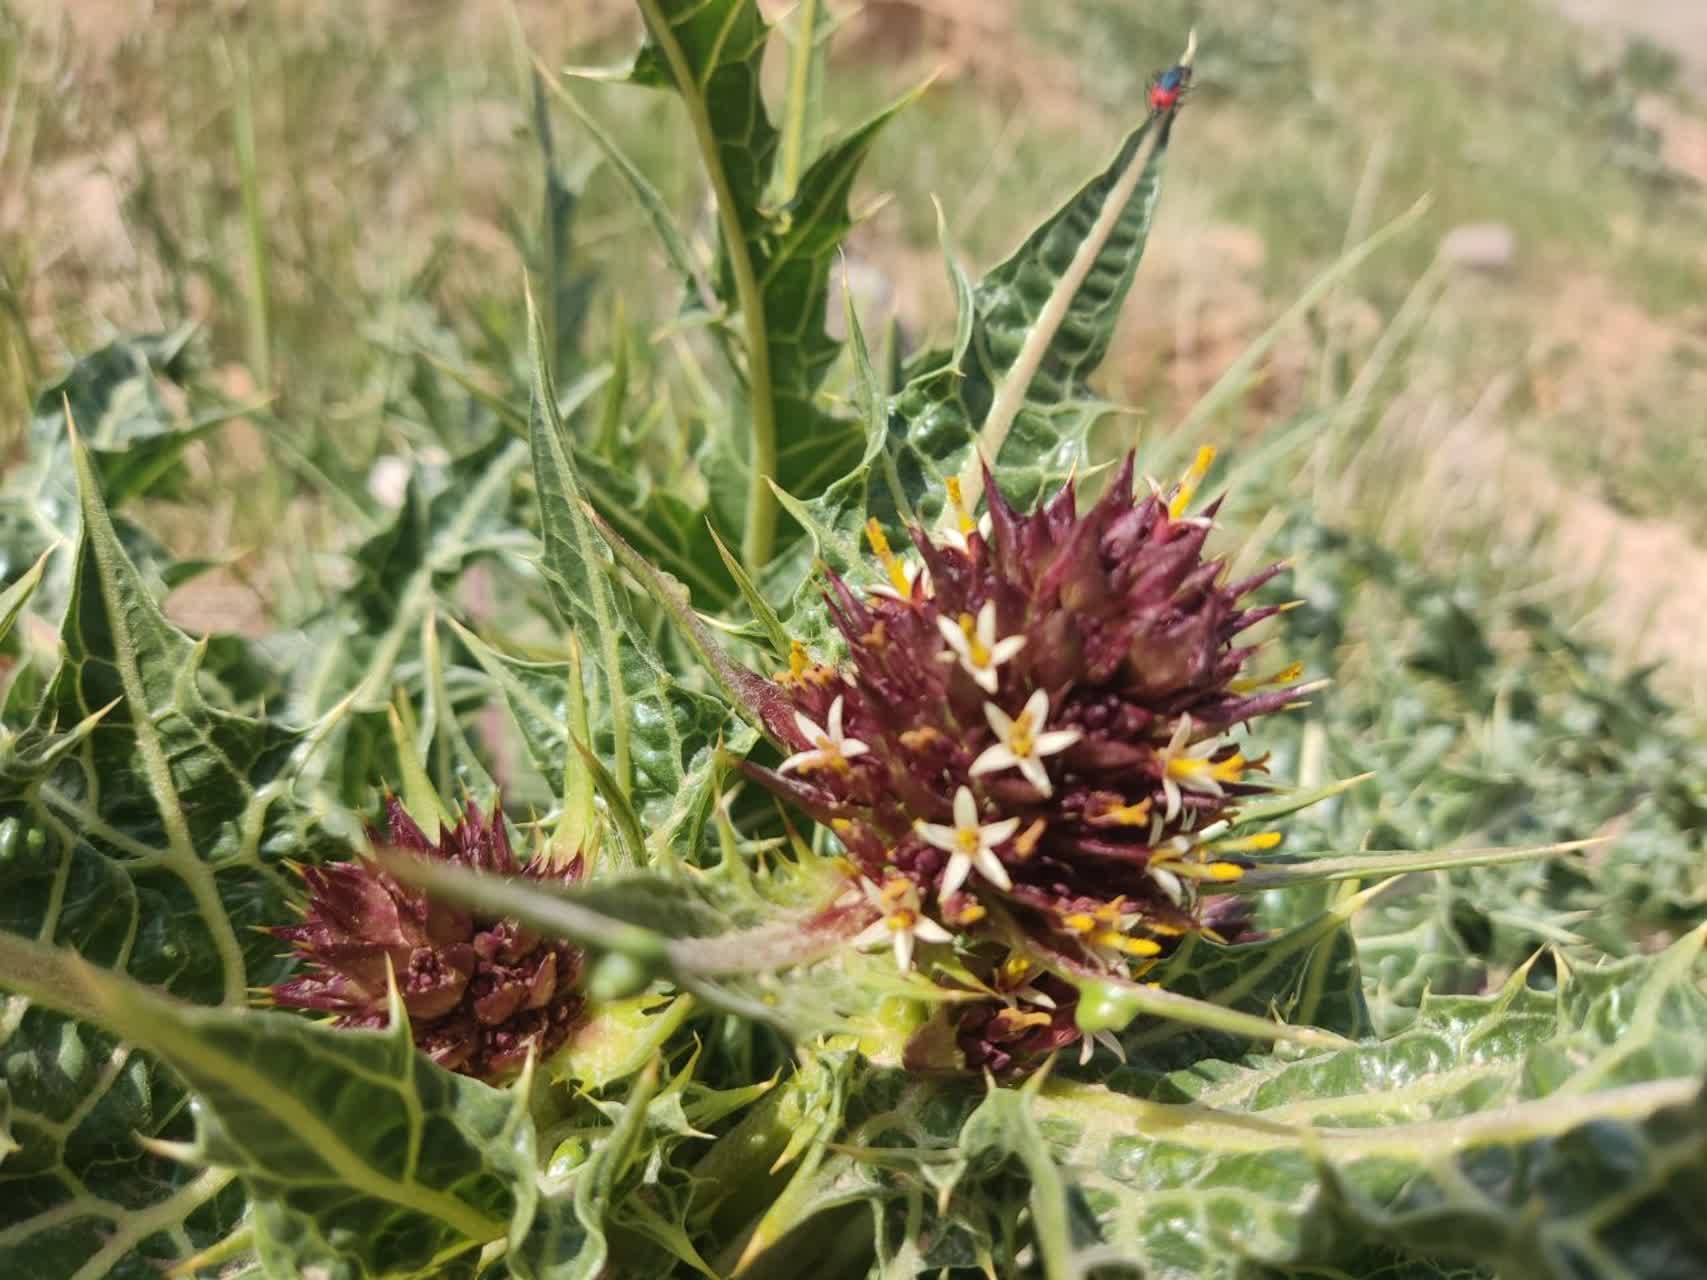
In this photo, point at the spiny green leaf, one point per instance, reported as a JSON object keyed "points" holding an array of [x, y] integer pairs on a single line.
{"points": [[832, 521], [816, 448], [1034, 326], [356, 1150], [16, 596], [577, 1218], [537, 695], [659, 736], [1536, 1133], [145, 829], [1561, 745], [1032, 306], [1447, 1140], [763, 614], [1279, 873], [133, 440], [420, 798], [454, 767], [353, 650], [774, 255], [1307, 976], [651, 202], [753, 696], [670, 532], [709, 52]]}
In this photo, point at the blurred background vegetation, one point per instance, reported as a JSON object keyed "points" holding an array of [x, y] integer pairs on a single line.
{"points": [[343, 198], [1486, 450]]}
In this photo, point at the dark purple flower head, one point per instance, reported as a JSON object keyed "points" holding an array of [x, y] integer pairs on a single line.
{"points": [[1025, 753], [480, 993]]}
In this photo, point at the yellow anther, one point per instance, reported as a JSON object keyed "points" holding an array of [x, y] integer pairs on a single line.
{"points": [[957, 504], [1080, 922], [901, 919], [1124, 815], [1286, 675], [841, 826], [1021, 739], [973, 913], [1222, 871], [1188, 483], [1258, 843], [1017, 1021], [798, 661], [1025, 844], [1014, 970], [888, 559], [877, 637], [920, 738], [1129, 946], [878, 539], [1229, 770], [895, 889]]}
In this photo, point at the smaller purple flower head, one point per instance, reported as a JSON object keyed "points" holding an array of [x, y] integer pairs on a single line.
{"points": [[481, 994]]}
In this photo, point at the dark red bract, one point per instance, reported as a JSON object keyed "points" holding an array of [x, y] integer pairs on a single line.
{"points": [[481, 994]]}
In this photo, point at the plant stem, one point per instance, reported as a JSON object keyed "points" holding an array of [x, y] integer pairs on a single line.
{"points": [[761, 507], [254, 225]]}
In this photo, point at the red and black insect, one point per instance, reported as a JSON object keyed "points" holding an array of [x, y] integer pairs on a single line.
{"points": [[1168, 87]]}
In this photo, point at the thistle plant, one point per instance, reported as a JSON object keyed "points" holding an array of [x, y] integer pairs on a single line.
{"points": [[835, 835]]}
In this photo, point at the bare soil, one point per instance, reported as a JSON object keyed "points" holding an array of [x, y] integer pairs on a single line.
{"points": [[1678, 25]]}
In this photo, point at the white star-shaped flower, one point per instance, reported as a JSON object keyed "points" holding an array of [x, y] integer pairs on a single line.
{"points": [[902, 923], [1022, 741], [969, 845], [1190, 768], [972, 642], [831, 747]]}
